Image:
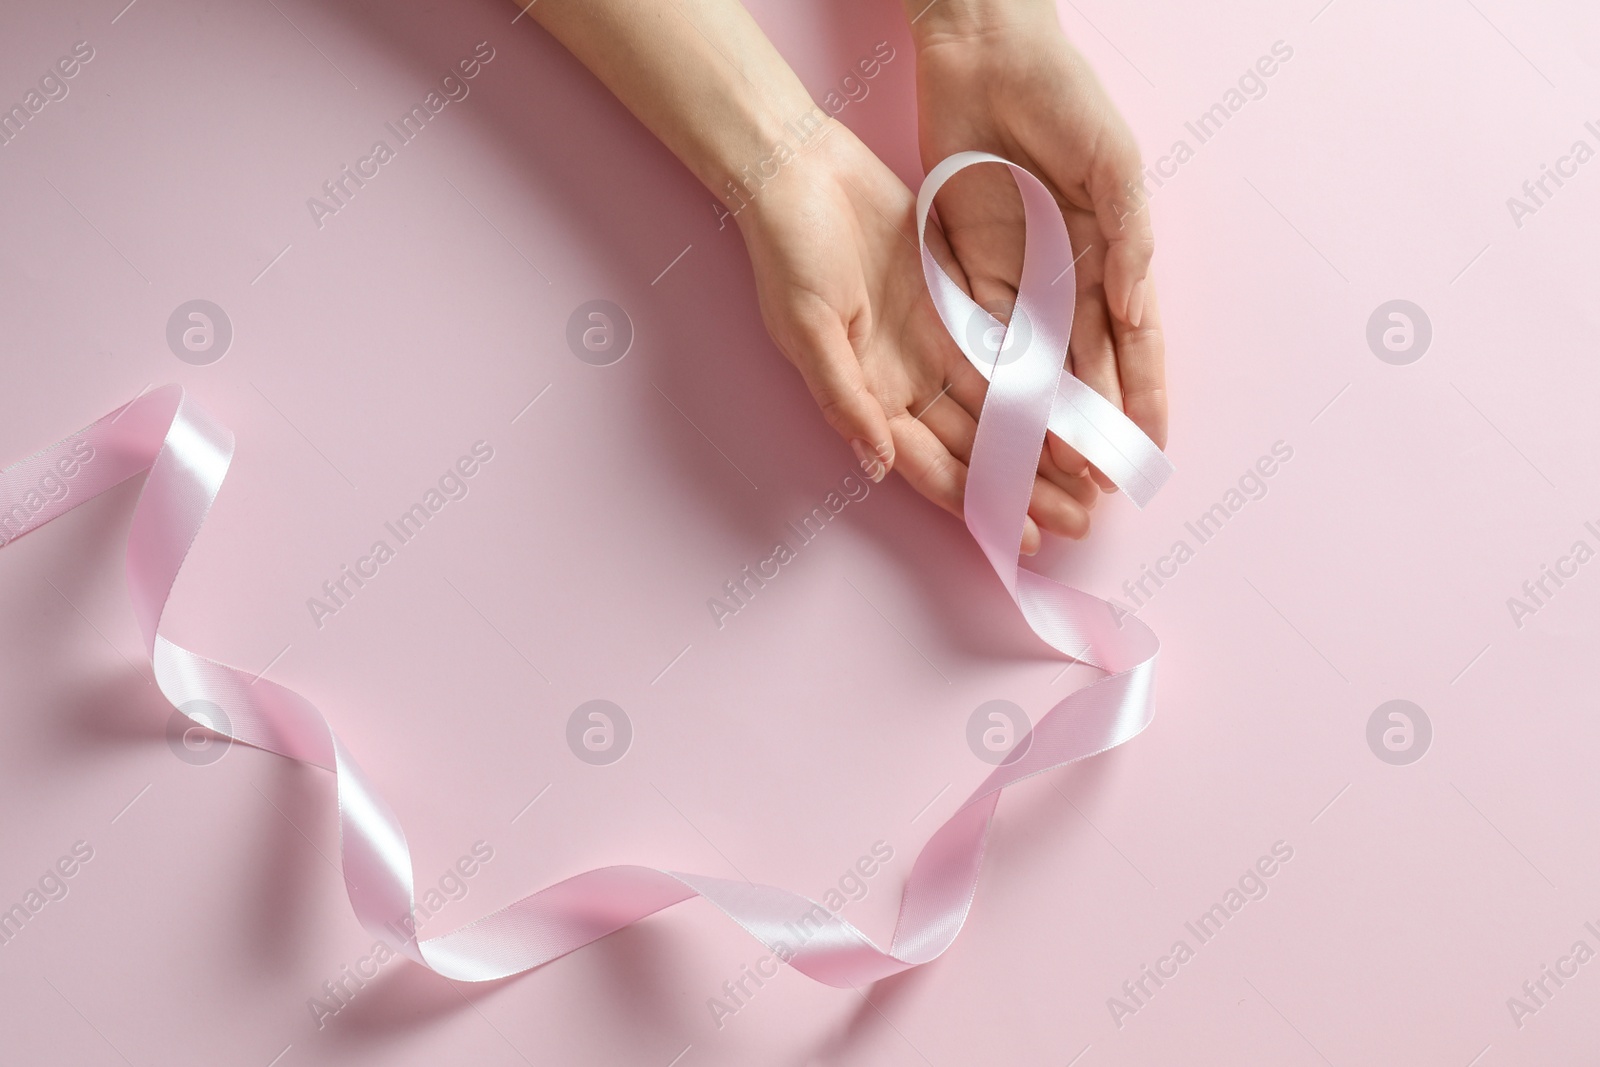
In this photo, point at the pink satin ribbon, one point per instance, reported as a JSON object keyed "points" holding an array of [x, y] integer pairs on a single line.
{"points": [[187, 455]]}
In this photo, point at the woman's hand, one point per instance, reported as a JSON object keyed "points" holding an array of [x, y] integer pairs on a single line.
{"points": [[833, 242], [999, 76], [831, 236]]}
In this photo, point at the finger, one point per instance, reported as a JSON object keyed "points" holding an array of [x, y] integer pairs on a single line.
{"points": [[832, 371], [1067, 460], [981, 211], [1094, 355], [1053, 507], [1059, 461], [924, 462], [967, 387], [927, 464], [1115, 187], [1057, 510], [1081, 487], [1141, 368]]}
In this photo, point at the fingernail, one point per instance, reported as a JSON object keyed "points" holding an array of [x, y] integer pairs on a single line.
{"points": [[1136, 303], [867, 456], [1030, 531]]}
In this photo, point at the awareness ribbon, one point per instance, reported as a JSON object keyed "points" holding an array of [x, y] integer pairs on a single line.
{"points": [[187, 455]]}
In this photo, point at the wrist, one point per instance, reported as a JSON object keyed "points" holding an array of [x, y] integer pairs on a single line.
{"points": [[740, 164], [934, 21], [794, 158], [739, 121], [770, 200], [699, 74]]}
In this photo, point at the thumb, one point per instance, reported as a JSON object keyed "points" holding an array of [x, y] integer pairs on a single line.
{"points": [[832, 371]]}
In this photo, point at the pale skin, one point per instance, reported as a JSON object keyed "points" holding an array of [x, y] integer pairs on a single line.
{"points": [[832, 239]]}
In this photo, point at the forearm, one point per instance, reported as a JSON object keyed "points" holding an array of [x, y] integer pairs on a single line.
{"points": [[699, 74]]}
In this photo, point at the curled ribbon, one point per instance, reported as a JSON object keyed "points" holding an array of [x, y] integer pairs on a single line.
{"points": [[187, 455]]}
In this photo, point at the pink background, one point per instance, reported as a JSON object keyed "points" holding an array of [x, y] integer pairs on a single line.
{"points": [[832, 711]]}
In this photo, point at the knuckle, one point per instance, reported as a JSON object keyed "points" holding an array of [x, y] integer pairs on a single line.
{"points": [[946, 481], [1140, 246], [834, 406], [1075, 523]]}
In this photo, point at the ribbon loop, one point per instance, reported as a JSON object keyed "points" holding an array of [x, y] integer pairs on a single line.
{"points": [[1079, 416]]}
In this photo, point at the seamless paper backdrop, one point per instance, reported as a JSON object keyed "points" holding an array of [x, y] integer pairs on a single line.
{"points": [[1355, 834]]}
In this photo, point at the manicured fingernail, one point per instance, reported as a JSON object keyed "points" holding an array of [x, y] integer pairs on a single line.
{"points": [[1136, 302], [871, 464], [1030, 533]]}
